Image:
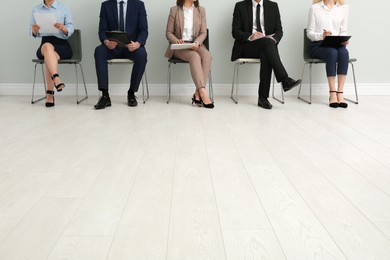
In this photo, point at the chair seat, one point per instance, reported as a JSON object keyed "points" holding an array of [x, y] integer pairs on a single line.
{"points": [[175, 60], [310, 60], [120, 61], [247, 60], [65, 61]]}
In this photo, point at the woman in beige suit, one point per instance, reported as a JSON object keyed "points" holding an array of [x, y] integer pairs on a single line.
{"points": [[187, 24]]}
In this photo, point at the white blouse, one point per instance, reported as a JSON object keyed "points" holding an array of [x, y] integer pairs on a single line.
{"points": [[188, 30], [322, 18]]}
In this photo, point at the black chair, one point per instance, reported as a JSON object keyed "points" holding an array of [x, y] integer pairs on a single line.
{"points": [[176, 61], [75, 43], [310, 61]]}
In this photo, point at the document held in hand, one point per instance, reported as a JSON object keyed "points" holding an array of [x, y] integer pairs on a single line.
{"points": [[181, 46], [118, 36], [46, 22], [334, 41]]}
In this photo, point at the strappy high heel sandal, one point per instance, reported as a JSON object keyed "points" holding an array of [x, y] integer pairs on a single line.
{"points": [[333, 104], [342, 104], [50, 104], [197, 102], [58, 87]]}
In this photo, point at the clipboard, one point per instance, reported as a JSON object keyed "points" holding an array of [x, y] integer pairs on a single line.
{"points": [[334, 41], [118, 36]]}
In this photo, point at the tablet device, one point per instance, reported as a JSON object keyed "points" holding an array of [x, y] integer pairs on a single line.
{"points": [[334, 41], [118, 36]]}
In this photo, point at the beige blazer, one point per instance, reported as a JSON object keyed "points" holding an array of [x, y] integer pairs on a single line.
{"points": [[175, 24]]}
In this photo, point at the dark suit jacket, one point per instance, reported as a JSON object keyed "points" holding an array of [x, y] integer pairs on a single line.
{"points": [[136, 22], [243, 24]]}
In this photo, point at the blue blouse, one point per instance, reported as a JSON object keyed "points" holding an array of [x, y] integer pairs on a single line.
{"points": [[62, 14]]}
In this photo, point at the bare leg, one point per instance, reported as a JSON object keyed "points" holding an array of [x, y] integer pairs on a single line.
{"points": [[51, 61], [332, 90], [340, 89], [203, 94], [49, 85]]}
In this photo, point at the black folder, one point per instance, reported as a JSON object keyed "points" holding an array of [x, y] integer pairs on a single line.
{"points": [[334, 41], [118, 36]]}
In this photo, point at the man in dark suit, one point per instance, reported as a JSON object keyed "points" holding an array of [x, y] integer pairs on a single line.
{"points": [[128, 16], [257, 30]]}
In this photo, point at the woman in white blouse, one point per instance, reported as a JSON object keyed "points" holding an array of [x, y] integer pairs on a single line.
{"points": [[330, 17], [187, 24]]}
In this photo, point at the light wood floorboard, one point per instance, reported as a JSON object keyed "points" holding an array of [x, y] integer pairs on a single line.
{"points": [[175, 181]]}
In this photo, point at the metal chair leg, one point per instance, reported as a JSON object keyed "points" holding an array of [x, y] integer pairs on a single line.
{"points": [[85, 86], [147, 88], [273, 91], [235, 83], [169, 83], [300, 86], [44, 84], [356, 101], [211, 90]]}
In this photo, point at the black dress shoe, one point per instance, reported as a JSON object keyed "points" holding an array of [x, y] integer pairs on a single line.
{"points": [[103, 103], [289, 83], [264, 103], [132, 101]]}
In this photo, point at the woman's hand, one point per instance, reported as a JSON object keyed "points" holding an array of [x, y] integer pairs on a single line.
{"points": [[35, 29], [195, 47], [61, 27], [345, 43], [179, 41]]}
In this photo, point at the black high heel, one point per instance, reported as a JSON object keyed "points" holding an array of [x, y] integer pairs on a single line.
{"points": [[59, 85], [197, 102], [342, 104], [210, 105], [333, 104], [50, 104]]}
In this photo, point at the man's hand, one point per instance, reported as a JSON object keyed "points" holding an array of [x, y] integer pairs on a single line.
{"points": [[255, 36], [110, 44], [132, 46]]}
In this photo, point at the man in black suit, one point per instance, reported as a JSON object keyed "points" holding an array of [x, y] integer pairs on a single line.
{"points": [[257, 30], [128, 16]]}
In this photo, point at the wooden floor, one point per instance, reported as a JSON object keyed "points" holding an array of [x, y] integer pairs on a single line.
{"points": [[179, 182]]}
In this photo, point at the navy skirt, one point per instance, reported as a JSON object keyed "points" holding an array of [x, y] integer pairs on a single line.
{"points": [[61, 46]]}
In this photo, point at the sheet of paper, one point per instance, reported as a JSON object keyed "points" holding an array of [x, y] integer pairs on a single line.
{"points": [[46, 22], [181, 46]]}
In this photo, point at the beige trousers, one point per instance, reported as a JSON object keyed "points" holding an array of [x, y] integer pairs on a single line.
{"points": [[200, 64]]}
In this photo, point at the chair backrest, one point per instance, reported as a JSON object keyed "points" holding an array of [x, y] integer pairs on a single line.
{"points": [[75, 43], [206, 41], [306, 46]]}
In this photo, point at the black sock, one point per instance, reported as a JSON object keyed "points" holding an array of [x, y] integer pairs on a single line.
{"points": [[130, 93], [105, 93]]}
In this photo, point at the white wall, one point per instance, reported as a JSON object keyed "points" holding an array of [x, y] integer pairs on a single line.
{"points": [[367, 45]]}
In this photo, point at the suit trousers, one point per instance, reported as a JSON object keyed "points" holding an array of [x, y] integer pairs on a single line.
{"points": [[200, 64], [102, 54], [266, 50]]}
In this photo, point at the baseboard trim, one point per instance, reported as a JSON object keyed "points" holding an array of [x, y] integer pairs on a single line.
{"points": [[188, 89]]}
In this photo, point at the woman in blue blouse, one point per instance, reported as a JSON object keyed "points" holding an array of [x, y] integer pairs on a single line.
{"points": [[54, 46]]}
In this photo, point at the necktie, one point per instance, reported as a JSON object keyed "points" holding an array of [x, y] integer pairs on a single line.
{"points": [[121, 17], [258, 27]]}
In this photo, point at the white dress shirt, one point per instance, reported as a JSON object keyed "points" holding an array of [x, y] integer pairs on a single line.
{"points": [[254, 6], [188, 30], [322, 18], [124, 11]]}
